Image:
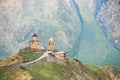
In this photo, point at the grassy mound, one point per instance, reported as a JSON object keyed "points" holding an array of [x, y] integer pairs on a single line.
{"points": [[21, 56], [27, 54], [69, 70]]}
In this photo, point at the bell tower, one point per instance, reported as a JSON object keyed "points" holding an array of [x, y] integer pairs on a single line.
{"points": [[51, 45]]}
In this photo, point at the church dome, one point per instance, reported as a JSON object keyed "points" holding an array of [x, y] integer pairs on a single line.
{"points": [[34, 35]]}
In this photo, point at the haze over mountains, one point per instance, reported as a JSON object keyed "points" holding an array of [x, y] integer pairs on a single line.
{"points": [[88, 29]]}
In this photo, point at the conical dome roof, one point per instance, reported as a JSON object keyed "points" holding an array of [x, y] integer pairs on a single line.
{"points": [[34, 35], [51, 39]]}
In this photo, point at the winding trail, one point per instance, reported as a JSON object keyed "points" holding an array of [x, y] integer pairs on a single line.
{"points": [[41, 57], [45, 54]]}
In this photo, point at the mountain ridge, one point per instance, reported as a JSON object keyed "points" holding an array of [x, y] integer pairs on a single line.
{"points": [[60, 19]]}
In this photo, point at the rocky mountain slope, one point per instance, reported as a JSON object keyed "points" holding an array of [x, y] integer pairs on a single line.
{"points": [[51, 68], [75, 26], [110, 22], [111, 71]]}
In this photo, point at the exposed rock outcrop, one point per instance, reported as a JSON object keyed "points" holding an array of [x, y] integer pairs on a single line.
{"points": [[14, 59], [111, 71]]}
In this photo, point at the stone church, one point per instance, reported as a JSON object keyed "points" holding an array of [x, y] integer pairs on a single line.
{"points": [[35, 45]]}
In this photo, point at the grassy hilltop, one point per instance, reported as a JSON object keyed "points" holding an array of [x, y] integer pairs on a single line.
{"points": [[55, 69]]}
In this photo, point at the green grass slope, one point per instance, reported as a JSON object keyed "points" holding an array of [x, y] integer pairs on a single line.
{"points": [[69, 69]]}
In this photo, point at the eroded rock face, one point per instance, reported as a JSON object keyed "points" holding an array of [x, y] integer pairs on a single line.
{"points": [[108, 17], [112, 72], [14, 59]]}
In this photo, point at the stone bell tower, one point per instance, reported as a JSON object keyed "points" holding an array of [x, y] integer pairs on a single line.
{"points": [[51, 45], [35, 45]]}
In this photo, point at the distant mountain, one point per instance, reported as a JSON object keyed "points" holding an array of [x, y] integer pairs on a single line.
{"points": [[108, 17], [79, 27]]}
